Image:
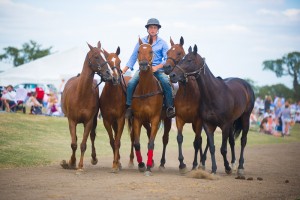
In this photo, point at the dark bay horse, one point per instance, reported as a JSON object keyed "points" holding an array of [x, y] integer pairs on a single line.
{"points": [[186, 104], [147, 106], [225, 103], [80, 103], [112, 106]]}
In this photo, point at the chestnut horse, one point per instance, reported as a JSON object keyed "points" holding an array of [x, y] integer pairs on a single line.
{"points": [[225, 103], [147, 105], [112, 106], [186, 105], [80, 103]]}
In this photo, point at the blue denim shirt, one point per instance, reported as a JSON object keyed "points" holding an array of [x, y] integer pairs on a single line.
{"points": [[160, 48]]}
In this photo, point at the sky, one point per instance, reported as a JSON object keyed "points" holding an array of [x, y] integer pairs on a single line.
{"points": [[234, 36]]}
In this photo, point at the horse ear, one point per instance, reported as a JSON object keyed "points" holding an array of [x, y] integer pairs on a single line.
{"points": [[140, 41], [118, 51], [190, 49], [99, 45], [105, 53], [181, 41], [195, 49], [171, 41], [89, 46]]}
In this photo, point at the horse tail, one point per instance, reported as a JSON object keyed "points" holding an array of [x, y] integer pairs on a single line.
{"points": [[129, 124], [237, 127]]}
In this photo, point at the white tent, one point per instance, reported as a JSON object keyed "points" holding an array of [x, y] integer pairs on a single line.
{"points": [[49, 69]]}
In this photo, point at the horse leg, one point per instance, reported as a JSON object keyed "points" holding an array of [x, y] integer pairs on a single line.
{"points": [[72, 161], [232, 144], [223, 149], [109, 130], [148, 131], [137, 147], [197, 127], [243, 144], [118, 128], [131, 156], [154, 129], [182, 166], [165, 140], [203, 159], [211, 143], [94, 160], [87, 129]]}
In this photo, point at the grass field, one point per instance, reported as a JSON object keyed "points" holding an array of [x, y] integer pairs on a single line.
{"points": [[29, 140]]}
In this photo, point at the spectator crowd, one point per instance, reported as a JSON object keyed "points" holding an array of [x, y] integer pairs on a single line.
{"points": [[37, 101], [275, 117]]}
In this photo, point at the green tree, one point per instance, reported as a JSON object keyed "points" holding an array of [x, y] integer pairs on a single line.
{"points": [[279, 90], [29, 52], [288, 65]]}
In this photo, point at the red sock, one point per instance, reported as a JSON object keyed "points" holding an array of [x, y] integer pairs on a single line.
{"points": [[138, 156], [150, 157]]}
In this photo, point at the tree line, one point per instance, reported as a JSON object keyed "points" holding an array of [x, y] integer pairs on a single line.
{"points": [[288, 65]]}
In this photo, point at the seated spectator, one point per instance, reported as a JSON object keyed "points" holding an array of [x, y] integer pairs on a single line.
{"points": [[34, 104], [9, 98], [53, 107], [264, 125]]}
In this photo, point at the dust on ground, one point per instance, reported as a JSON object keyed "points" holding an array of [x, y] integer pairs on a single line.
{"points": [[278, 165]]}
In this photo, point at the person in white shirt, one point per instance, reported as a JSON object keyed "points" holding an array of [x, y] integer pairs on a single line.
{"points": [[9, 97]]}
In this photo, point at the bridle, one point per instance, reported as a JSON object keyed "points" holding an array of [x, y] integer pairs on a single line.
{"points": [[149, 63], [194, 73]]}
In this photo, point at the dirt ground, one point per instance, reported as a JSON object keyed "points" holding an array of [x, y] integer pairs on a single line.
{"points": [[278, 165]]}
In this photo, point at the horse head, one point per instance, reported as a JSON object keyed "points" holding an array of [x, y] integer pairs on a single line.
{"points": [[145, 55], [191, 65], [114, 63], [97, 62], [174, 54]]}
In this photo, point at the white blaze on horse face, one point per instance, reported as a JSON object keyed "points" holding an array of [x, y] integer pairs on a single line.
{"points": [[114, 64], [173, 48]]}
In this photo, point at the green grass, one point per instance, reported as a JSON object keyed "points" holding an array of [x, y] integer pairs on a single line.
{"points": [[29, 140]]}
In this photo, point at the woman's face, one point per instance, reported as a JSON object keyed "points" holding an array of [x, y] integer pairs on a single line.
{"points": [[152, 30]]}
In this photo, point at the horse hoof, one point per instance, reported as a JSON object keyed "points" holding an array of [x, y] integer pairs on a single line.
{"points": [[148, 173], [233, 166], [114, 170], [161, 168], [66, 165], [228, 171], [240, 172], [130, 165], [201, 167], [142, 167], [79, 171], [120, 166], [94, 161], [183, 170]]}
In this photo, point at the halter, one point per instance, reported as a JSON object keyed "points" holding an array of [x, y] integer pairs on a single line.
{"points": [[194, 73], [174, 61]]}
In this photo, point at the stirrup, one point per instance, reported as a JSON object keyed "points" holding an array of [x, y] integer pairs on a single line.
{"points": [[170, 112], [128, 113]]}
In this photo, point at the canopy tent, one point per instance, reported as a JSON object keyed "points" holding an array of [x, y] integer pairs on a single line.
{"points": [[49, 69]]}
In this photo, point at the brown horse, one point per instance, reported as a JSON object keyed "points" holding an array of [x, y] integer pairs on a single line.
{"points": [[80, 103], [147, 106], [225, 103], [112, 106], [186, 105]]}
